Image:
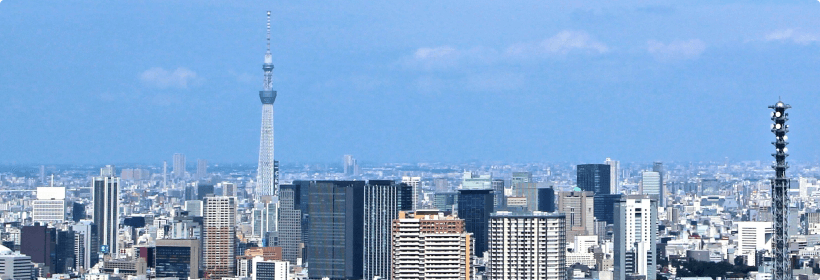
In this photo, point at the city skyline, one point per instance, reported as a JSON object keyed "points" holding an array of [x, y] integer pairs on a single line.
{"points": [[585, 92]]}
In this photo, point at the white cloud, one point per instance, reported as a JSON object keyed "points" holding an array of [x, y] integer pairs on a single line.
{"points": [[793, 36], [676, 50], [563, 43], [161, 78]]}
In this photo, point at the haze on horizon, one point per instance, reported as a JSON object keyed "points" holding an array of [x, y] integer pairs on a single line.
{"points": [[530, 81]]}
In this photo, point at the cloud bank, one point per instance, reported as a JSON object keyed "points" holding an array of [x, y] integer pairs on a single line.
{"points": [[676, 50]]}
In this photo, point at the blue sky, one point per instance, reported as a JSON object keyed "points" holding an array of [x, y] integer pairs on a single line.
{"points": [[136, 81]]}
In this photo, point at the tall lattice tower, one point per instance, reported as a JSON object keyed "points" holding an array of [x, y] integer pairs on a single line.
{"points": [[781, 268], [265, 174]]}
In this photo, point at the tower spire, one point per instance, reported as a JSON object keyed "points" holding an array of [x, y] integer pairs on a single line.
{"points": [[266, 174], [268, 32]]}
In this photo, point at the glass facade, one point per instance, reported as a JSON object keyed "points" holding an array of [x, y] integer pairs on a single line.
{"points": [[336, 212], [475, 206], [173, 262], [594, 178]]}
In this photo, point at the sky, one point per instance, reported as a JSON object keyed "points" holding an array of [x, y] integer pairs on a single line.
{"points": [[407, 81]]}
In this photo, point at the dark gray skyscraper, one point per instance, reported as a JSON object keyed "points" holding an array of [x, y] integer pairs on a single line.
{"points": [[336, 216], [594, 178], [498, 188], [475, 207], [546, 199], [106, 212]]}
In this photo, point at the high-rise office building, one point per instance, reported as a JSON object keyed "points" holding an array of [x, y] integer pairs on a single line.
{"points": [[445, 201], [578, 206], [604, 207], [651, 184], [475, 207], [529, 191], [636, 230], [381, 207], [427, 244], [194, 207], [521, 177], [203, 190], [177, 258], [415, 184], [336, 215], [594, 178], [265, 174], [265, 217], [106, 209], [658, 167], [498, 188], [546, 199], [290, 222], [15, 265], [201, 169], [614, 177], [39, 242], [348, 164], [179, 166], [50, 205], [86, 245], [219, 246], [475, 181], [529, 245]]}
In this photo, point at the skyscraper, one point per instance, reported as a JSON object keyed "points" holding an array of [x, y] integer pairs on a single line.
{"points": [[498, 188], [220, 231], [429, 245], [265, 172], [658, 167], [594, 178], [651, 184], [179, 166], [290, 222], [201, 169], [475, 206], [614, 178], [348, 164], [530, 245], [106, 208], [578, 206], [86, 245], [604, 207], [381, 207], [415, 184], [336, 216], [546, 199], [636, 230]]}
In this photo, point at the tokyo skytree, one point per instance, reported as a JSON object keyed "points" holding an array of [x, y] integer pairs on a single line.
{"points": [[265, 173]]}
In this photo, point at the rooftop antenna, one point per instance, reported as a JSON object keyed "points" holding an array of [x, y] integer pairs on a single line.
{"points": [[268, 31]]}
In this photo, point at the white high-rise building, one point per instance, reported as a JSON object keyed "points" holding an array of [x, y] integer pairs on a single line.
{"points": [[636, 230], [614, 181], [262, 269], [752, 237], [219, 247], [14, 265], [415, 183], [86, 245], [49, 206], [179, 165], [530, 245], [265, 216], [265, 173], [429, 245]]}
